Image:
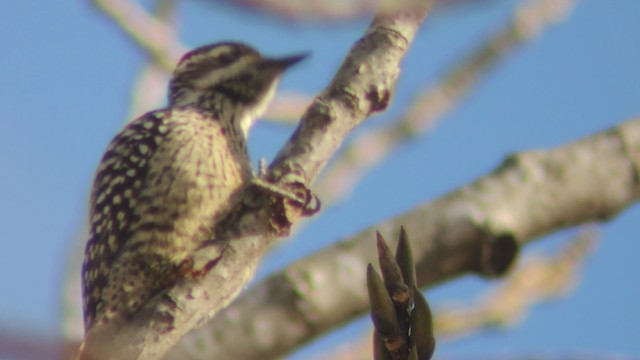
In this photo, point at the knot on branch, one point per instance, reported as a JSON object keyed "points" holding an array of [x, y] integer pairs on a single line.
{"points": [[497, 253], [379, 97]]}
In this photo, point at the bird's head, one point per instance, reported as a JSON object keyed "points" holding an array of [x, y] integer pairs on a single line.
{"points": [[228, 77]]}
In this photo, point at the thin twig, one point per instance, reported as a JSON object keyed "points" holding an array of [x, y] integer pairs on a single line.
{"points": [[149, 90], [536, 280], [152, 35]]}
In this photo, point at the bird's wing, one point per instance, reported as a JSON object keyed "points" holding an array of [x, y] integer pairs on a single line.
{"points": [[119, 180]]}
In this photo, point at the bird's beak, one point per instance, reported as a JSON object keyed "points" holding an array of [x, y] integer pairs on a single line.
{"points": [[285, 62]]}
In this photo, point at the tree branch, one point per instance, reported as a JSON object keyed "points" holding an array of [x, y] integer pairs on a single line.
{"points": [[537, 279], [323, 10], [372, 147], [363, 85], [476, 229]]}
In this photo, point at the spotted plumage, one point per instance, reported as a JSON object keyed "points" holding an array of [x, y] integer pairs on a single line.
{"points": [[168, 176]]}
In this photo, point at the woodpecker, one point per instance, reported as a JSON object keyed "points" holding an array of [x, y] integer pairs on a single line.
{"points": [[168, 176]]}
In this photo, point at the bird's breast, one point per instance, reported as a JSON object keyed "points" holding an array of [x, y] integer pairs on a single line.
{"points": [[199, 171]]}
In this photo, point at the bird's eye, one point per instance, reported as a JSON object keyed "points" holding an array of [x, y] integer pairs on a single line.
{"points": [[225, 59]]}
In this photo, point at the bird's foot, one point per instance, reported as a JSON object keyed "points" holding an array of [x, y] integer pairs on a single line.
{"points": [[290, 184]]}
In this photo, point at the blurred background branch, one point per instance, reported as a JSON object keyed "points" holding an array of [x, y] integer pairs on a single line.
{"points": [[326, 11], [472, 230], [536, 279], [151, 33], [370, 148]]}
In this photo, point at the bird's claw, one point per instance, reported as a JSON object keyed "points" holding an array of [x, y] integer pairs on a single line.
{"points": [[290, 184]]}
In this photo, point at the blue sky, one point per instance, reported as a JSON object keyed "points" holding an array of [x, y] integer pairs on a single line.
{"points": [[66, 83]]}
